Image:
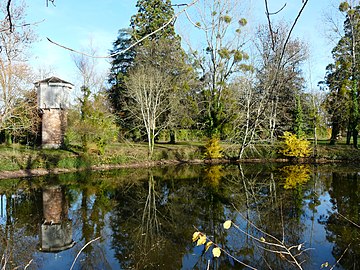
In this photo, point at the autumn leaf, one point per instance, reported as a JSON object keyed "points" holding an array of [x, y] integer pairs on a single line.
{"points": [[208, 245], [202, 240], [216, 252], [195, 236], [325, 264], [227, 224]]}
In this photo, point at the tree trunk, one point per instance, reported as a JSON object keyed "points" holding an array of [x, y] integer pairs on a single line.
{"points": [[348, 135], [8, 140], [172, 136], [334, 133], [355, 137]]}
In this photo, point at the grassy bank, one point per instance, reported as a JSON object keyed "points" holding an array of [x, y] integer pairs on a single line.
{"points": [[16, 157]]}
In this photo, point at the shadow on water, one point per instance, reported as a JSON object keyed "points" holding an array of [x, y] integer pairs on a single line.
{"points": [[146, 218]]}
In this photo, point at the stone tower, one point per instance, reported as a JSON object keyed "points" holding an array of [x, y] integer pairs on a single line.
{"points": [[53, 101]]}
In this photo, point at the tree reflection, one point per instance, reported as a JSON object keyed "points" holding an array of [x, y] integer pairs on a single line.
{"points": [[154, 220], [263, 205], [146, 217], [138, 224], [94, 193], [17, 233], [345, 197]]}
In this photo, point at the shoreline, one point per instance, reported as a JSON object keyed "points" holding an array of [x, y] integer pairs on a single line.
{"points": [[28, 173]]}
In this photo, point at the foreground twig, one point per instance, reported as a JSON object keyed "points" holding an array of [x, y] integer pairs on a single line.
{"points": [[352, 222], [227, 253], [284, 250], [132, 45], [88, 243], [342, 255], [28, 264]]}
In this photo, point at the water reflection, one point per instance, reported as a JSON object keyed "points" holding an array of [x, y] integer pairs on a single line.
{"points": [[343, 223], [145, 218], [56, 230]]}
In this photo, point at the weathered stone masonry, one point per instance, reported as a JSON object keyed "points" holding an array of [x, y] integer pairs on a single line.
{"points": [[53, 101]]}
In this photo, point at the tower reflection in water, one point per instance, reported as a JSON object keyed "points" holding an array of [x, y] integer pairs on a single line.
{"points": [[56, 230]]}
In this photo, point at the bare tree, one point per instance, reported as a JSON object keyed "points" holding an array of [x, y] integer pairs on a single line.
{"points": [[88, 71], [279, 75], [15, 75], [149, 100], [251, 106]]}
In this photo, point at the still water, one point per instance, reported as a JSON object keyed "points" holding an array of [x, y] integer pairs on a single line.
{"points": [[283, 217]]}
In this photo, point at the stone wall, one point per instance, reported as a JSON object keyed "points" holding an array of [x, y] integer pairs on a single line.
{"points": [[54, 122]]}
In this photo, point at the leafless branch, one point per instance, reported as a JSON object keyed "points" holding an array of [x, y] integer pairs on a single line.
{"points": [[28, 264], [352, 222], [292, 28], [342, 255], [51, 1], [88, 243], [193, 23], [227, 253], [20, 25], [135, 43], [285, 250], [8, 16], [178, 5], [276, 12], [269, 24]]}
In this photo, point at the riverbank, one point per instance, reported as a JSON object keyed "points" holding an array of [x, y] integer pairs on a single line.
{"points": [[19, 161]]}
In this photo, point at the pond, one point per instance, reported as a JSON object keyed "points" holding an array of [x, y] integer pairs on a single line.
{"points": [[280, 217]]}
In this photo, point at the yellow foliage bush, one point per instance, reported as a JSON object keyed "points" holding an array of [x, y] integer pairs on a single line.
{"points": [[213, 149], [294, 147]]}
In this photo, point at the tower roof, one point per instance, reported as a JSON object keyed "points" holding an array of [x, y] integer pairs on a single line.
{"points": [[53, 80]]}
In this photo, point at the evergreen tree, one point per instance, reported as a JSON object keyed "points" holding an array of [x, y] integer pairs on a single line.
{"points": [[120, 65], [162, 51], [342, 77], [151, 15]]}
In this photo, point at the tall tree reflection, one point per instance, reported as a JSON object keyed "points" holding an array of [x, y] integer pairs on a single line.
{"points": [[20, 211], [345, 197]]}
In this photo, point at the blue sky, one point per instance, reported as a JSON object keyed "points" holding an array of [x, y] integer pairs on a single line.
{"points": [[75, 23]]}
